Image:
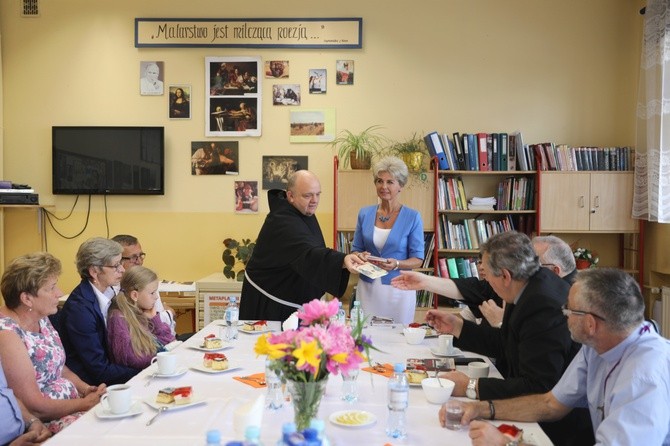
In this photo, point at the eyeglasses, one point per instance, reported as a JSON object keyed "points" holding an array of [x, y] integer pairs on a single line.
{"points": [[118, 267], [136, 257], [567, 312], [547, 265]]}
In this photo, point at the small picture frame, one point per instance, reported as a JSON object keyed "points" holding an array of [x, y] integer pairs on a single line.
{"points": [[179, 102], [286, 94], [318, 81], [277, 169], [344, 72], [151, 78], [276, 69], [246, 197], [215, 158]]}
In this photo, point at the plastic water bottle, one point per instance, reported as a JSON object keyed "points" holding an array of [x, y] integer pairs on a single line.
{"points": [[287, 430], [311, 437], [356, 314], [398, 396], [341, 316], [252, 436], [214, 437], [319, 426], [232, 317], [275, 397]]}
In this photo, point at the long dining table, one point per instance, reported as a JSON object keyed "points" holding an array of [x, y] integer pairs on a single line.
{"points": [[220, 395]]}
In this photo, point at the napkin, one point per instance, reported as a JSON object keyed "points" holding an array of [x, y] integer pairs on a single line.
{"points": [[252, 380], [291, 323], [249, 414], [377, 369]]}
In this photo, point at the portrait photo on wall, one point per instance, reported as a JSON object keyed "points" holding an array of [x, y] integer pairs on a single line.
{"points": [[277, 169], [276, 69], [233, 99], [214, 157], [286, 94], [317, 81], [312, 125], [246, 197], [344, 72], [179, 102], [151, 78]]}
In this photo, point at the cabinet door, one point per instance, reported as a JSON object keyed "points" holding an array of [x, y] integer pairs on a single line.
{"points": [[612, 202], [564, 202]]}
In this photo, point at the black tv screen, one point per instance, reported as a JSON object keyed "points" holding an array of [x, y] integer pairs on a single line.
{"points": [[108, 160]]}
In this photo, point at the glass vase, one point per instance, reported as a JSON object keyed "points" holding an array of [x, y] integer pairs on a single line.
{"points": [[306, 398]]}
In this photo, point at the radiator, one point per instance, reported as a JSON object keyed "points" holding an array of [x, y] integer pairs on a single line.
{"points": [[665, 311]]}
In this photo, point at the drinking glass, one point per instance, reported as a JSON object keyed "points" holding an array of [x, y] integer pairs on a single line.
{"points": [[350, 386], [275, 396]]}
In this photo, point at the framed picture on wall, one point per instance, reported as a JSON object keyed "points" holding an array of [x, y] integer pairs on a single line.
{"points": [[344, 72], [277, 169], [286, 94], [312, 125], [215, 158], [151, 78], [233, 99], [318, 81], [246, 197], [179, 102], [276, 69]]}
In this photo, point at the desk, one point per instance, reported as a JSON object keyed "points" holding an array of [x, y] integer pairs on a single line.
{"points": [[223, 395]]}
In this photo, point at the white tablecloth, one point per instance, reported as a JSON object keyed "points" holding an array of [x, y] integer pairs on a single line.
{"points": [[223, 395]]}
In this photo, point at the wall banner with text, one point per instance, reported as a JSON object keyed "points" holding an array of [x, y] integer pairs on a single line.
{"points": [[250, 33]]}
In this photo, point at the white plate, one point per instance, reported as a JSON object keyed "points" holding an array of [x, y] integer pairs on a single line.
{"points": [[180, 371], [456, 352], [151, 402], [265, 330], [352, 418], [429, 334], [201, 368], [224, 346], [135, 409]]}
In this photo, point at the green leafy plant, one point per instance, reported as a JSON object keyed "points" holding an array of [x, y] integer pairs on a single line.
{"points": [[234, 254], [413, 152], [365, 145], [586, 254]]}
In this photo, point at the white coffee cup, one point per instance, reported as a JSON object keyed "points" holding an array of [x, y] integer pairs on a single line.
{"points": [[167, 363], [478, 369], [117, 400], [445, 344]]}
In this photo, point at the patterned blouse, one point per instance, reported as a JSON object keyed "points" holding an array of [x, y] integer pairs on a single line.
{"points": [[48, 357]]}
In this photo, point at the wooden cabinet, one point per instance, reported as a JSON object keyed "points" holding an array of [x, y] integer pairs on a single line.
{"points": [[587, 202]]}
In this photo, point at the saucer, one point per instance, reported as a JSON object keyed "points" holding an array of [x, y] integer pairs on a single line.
{"points": [[180, 371], [352, 418], [135, 409], [455, 352]]}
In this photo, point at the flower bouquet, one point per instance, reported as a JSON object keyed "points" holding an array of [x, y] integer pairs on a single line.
{"points": [[585, 258], [307, 355]]}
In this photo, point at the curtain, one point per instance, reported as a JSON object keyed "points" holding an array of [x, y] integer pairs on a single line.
{"points": [[651, 199]]}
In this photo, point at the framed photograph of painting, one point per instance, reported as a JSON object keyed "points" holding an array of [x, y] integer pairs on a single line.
{"points": [[246, 197], [344, 72], [233, 99], [318, 81], [277, 169], [215, 157], [286, 94], [179, 102], [312, 125], [276, 69]]}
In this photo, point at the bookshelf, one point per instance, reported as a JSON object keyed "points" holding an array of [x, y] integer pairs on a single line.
{"points": [[355, 189]]}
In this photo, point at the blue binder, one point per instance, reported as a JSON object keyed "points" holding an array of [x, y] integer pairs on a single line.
{"points": [[436, 149]]}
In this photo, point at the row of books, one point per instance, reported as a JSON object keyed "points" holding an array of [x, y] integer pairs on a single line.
{"points": [[470, 233], [476, 151], [458, 267], [513, 193], [425, 298], [565, 158]]}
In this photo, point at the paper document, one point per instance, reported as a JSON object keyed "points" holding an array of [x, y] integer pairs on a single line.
{"points": [[370, 270]]}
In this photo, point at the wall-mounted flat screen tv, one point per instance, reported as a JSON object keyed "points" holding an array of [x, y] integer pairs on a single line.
{"points": [[108, 160]]}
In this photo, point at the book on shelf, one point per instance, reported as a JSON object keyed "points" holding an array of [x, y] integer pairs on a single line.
{"points": [[435, 148], [492, 150], [461, 193], [511, 151], [467, 148], [449, 151], [503, 150], [458, 150], [452, 268], [483, 152]]}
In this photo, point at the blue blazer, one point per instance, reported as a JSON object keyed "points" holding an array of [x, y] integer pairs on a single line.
{"points": [[82, 330], [405, 239]]}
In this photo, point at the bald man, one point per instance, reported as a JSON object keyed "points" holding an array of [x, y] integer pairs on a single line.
{"points": [[291, 264]]}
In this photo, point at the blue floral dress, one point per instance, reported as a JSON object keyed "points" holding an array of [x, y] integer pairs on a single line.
{"points": [[48, 357]]}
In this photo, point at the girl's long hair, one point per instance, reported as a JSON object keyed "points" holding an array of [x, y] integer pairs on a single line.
{"points": [[142, 339]]}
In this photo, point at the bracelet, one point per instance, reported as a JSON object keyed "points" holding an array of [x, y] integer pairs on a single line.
{"points": [[30, 423], [397, 264], [492, 409]]}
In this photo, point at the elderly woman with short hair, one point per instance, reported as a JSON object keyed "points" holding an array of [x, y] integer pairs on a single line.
{"points": [[82, 323], [393, 232], [30, 349]]}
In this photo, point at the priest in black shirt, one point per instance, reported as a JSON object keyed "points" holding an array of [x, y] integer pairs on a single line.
{"points": [[291, 264]]}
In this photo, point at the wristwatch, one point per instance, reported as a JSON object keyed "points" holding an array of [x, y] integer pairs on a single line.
{"points": [[471, 391]]}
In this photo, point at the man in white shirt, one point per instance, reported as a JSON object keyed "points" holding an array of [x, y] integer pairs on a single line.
{"points": [[134, 256]]}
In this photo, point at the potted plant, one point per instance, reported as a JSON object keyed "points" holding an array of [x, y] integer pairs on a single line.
{"points": [[235, 253], [413, 151], [358, 149], [585, 259]]}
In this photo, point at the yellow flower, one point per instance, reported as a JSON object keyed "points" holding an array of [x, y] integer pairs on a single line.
{"points": [[308, 352], [340, 358], [273, 351]]}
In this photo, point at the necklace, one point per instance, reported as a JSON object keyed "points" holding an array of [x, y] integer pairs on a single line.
{"points": [[385, 218]]}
